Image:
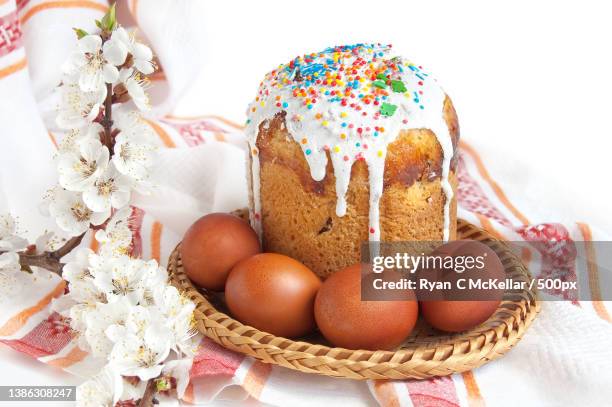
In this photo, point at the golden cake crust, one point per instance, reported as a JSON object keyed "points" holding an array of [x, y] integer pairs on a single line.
{"points": [[299, 214]]}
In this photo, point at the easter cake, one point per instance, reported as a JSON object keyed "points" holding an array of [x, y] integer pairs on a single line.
{"points": [[348, 145]]}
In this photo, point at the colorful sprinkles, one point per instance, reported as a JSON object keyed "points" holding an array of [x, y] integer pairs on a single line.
{"points": [[359, 79]]}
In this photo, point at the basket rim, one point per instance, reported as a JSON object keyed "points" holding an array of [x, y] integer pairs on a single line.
{"points": [[232, 334]]}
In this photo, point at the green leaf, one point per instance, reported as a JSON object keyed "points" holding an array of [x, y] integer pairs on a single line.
{"points": [[109, 21], [162, 384], [80, 33], [99, 24]]}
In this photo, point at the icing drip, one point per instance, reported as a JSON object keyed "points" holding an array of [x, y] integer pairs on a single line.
{"points": [[255, 213], [376, 173], [350, 102], [446, 142]]}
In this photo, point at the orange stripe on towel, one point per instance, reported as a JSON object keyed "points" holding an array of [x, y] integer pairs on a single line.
{"points": [[226, 121], [74, 356], [494, 185], [53, 139], [593, 272], [386, 394], [473, 392], [94, 245], [156, 231], [488, 226], [189, 394], [62, 4], [11, 69], [161, 133], [15, 323], [256, 378]]}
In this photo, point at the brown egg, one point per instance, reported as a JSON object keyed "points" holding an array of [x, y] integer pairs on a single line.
{"points": [[274, 293], [347, 321], [213, 245], [466, 308]]}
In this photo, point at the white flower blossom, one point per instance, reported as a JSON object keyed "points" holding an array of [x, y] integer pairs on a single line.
{"points": [[71, 141], [141, 54], [8, 234], [103, 390], [47, 242], [71, 213], [119, 277], [98, 320], [92, 64], [77, 271], [136, 85], [82, 291], [111, 189], [154, 277], [178, 312], [9, 267], [77, 108], [142, 356], [136, 323], [116, 237], [83, 295], [115, 50], [121, 309], [77, 315], [9, 263], [80, 170], [179, 369], [134, 150]]}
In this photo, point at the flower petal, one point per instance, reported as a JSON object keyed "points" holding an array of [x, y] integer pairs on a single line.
{"points": [[90, 44], [146, 67], [110, 73], [125, 74], [115, 52], [9, 260], [91, 81], [93, 113], [120, 199], [141, 51], [98, 218], [74, 62], [90, 148], [95, 201], [120, 34], [138, 95]]}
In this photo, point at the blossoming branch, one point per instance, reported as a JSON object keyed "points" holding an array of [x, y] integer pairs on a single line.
{"points": [[121, 309]]}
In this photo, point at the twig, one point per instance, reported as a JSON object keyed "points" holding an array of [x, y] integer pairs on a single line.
{"points": [[50, 260], [67, 247], [107, 121], [149, 393]]}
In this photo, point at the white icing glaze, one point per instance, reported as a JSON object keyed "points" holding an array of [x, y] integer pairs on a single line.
{"points": [[255, 214], [369, 81]]}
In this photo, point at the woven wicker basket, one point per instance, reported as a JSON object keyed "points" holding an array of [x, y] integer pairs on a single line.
{"points": [[426, 353]]}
